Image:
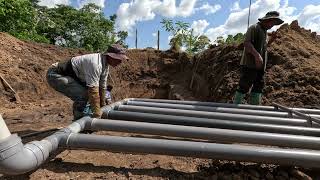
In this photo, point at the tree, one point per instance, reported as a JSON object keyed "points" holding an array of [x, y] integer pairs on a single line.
{"points": [[84, 28], [183, 35], [178, 32], [18, 17], [239, 38], [122, 35], [219, 40], [63, 25], [236, 39]]}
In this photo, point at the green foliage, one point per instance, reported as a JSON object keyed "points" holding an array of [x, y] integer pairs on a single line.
{"points": [[17, 17], [220, 40], [178, 31], [122, 35], [182, 35], [63, 25], [30, 36], [84, 28], [236, 39]]}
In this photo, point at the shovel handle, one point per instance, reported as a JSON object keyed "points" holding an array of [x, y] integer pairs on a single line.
{"points": [[7, 84]]}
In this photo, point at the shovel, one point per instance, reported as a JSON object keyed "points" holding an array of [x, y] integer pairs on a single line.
{"points": [[16, 96]]}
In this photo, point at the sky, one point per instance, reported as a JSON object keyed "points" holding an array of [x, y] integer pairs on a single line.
{"points": [[212, 18]]}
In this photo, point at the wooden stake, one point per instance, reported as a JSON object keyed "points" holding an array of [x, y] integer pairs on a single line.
{"points": [[16, 96], [158, 40]]}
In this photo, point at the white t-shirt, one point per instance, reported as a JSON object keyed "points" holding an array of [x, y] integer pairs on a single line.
{"points": [[91, 69]]}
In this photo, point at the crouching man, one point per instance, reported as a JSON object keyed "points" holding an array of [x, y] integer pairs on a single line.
{"points": [[83, 79]]}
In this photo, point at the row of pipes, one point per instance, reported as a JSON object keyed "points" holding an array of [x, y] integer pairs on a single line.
{"points": [[213, 130]]}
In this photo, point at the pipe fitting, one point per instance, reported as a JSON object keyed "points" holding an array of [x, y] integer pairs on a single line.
{"points": [[4, 131], [106, 109], [15, 159]]}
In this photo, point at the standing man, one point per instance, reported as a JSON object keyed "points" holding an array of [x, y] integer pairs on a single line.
{"points": [[254, 58], [83, 78]]}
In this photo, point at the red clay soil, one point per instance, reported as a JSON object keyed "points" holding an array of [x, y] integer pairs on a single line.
{"points": [[292, 79], [292, 75]]}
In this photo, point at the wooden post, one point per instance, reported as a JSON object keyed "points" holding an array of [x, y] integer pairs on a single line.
{"points": [[136, 38], [16, 95], [158, 40]]}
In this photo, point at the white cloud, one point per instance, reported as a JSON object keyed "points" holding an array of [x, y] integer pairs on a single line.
{"points": [[53, 3], [167, 8], [310, 18], [237, 21], [100, 3], [185, 8], [209, 9], [128, 14], [169, 38], [183, 48], [313, 24], [235, 6], [199, 26], [154, 34]]}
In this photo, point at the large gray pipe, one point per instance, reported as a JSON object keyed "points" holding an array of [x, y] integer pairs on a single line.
{"points": [[220, 135], [291, 157], [217, 109], [203, 122], [213, 104], [16, 158], [215, 115]]}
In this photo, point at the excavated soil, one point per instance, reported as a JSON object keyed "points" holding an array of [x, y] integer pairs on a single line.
{"points": [[292, 74], [292, 79]]}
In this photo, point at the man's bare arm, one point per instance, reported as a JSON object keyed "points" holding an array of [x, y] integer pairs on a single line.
{"points": [[250, 48]]}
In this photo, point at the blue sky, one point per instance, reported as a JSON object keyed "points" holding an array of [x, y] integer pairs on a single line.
{"points": [[212, 17]]}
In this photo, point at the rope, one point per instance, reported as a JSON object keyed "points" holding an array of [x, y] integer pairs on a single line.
{"points": [[249, 14]]}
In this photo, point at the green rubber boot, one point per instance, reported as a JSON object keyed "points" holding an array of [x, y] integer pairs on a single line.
{"points": [[255, 98], [238, 98]]}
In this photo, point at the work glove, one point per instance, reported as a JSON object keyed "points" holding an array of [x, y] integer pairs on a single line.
{"points": [[94, 100], [102, 93]]}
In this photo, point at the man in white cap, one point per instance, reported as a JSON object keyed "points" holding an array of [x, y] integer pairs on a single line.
{"points": [[83, 79], [254, 58]]}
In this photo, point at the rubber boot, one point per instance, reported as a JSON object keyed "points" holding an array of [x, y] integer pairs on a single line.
{"points": [[78, 108], [255, 98], [87, 110], [238, 98]]}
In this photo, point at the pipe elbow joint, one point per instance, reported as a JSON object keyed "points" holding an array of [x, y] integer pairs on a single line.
{"points": [[15, 158]]}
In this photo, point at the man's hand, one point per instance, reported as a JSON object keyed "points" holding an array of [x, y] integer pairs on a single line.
{"points": [[259, 61], [97, 114]]}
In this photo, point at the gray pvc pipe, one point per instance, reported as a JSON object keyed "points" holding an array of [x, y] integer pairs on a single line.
{"points": [[216, 109], [220, 135], [215, 115], [16, 158], [213, 104], [299, 114], [305, 158], [203, 122], [110, 107]]}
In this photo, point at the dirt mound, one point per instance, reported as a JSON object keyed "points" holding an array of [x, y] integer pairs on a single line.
{"points": [[292, 72], [152, 74], [149, 73], [292, 79], [24, 65]]}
